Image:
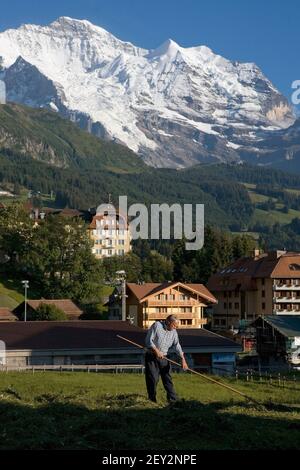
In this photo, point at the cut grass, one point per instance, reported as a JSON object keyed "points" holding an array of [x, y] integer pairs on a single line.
{"points": [[110, 411]]}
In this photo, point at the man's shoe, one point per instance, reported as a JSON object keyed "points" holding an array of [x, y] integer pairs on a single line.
{"points": [[152, 399], [172, 400]]}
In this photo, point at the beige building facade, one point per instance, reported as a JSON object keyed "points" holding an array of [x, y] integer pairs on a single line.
{"points": [[265, 284], [110, 234]]}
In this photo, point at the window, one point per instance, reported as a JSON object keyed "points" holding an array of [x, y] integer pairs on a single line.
{"points": [[186, 309], [223, 322], [262, 282], [217, 321], [162, 310], [263, 293], [294, 267], [230, 304], [225, 304], [186, 322], [236, 305], [263, 305]]}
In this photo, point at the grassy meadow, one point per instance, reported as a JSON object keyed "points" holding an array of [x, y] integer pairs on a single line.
{"points": [[53, 410]]}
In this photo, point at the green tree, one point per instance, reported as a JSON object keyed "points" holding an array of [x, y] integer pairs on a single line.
{"points": [[130, 263], [16, 237], [48, 312], [61, 260], [157, 268]]}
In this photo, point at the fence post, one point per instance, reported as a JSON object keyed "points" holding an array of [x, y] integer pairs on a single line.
{"points": [[260, 378], [271, 379], [279, 381], [96, 368], [247, 376], [236, 374], [251, 375]]}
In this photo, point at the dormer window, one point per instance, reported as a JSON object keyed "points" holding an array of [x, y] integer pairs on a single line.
{"points": [[294, 267]]}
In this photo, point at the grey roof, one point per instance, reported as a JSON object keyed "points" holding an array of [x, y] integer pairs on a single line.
{"points": [[288, 325]]}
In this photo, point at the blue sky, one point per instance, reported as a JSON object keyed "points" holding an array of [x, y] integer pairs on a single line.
{"points": [[266, 33]]}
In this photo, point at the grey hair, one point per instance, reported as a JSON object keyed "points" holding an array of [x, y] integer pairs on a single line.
{"points": [[171, 319]]}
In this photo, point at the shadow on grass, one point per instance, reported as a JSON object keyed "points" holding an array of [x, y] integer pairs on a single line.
{"points": [[128, 421]]}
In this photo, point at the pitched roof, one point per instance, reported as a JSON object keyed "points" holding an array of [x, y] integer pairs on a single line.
{"points": [[141, 291], [242, 273], [7, 315], [66, 305], [288, 266], [99, 217], [99, 334], [288, 325]]}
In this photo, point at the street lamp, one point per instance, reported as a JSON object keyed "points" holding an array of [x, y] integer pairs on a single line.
{"points": [[25, 285], [121, 276]]}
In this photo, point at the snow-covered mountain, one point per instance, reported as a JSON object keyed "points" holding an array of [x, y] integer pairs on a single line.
{"points": [[175, 106]]}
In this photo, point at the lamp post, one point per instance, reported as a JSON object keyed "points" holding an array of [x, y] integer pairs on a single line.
{"points": [[121, 276], [25, 285]]}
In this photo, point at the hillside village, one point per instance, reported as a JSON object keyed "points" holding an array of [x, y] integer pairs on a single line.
{"points": [[248, 308]]}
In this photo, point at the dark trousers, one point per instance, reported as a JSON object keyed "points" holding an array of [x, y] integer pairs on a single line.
{"points": [[154, 368]]}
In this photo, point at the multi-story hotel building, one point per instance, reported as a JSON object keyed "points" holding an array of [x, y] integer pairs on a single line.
{"points": [[109, 233], [264, 284], [148, 302]]}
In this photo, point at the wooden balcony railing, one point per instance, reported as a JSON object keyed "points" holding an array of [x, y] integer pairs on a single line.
{"points": [[172, 303], [180, 316]]}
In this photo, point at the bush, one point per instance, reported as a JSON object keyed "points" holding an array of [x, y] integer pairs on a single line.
{"points": [[48, 312]]}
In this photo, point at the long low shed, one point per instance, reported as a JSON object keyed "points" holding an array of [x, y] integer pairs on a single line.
{"points": [[96, 342]]}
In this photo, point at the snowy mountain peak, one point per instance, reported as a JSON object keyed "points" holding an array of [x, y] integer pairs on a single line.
{"points": [[169, 48], [173, 105]]}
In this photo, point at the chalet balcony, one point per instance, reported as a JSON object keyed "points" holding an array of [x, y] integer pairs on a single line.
{"points": [[280, 287], [180, 316], [172, 303], [286, 312], [286, 299]]}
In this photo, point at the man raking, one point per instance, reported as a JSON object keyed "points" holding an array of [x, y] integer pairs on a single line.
{"points": [[161, 337]]}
